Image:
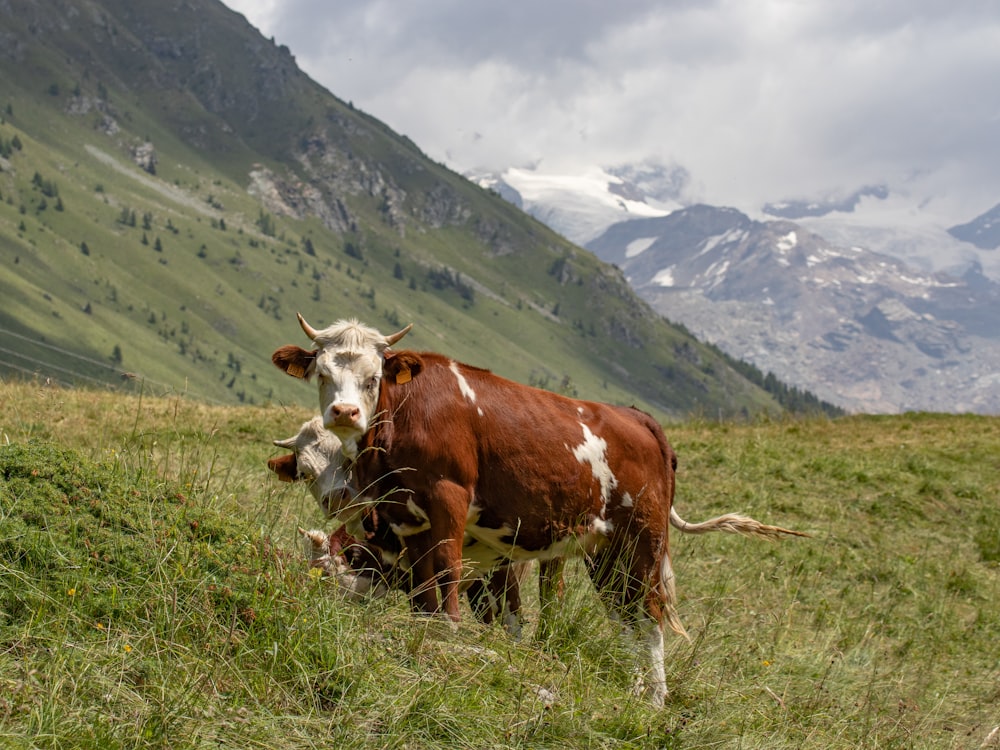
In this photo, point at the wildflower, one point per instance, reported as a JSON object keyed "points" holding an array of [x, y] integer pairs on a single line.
{"points": [[71, 592], [99, 626], [315, 573], [128, 648]]}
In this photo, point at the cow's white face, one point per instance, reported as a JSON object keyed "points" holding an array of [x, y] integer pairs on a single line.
{"points": [[348, 391], [318, 461], [348, 365]]}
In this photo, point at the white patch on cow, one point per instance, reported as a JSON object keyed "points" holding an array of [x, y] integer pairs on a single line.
{"points": [[654, 683], [497, 541], [480, 411], [579, 411], [350, 448], [408, 529], [463, 384], [627, 501], [593, 450], [416, 510], [481, 555], [602, 526], [352, 520], [478, 558]]}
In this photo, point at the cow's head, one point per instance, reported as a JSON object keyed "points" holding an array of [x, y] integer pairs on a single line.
{"points": [[348, 363], [316, 458]]}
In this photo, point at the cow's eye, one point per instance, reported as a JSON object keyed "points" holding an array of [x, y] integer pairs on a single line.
{"points": [[372, 383]]}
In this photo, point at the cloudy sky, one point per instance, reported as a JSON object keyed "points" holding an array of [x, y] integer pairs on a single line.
{"points": [[760, 100]]}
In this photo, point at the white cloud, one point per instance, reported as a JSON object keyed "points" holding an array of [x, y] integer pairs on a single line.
{"points": [[758, 99]]}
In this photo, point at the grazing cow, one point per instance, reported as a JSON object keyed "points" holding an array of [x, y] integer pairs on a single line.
{"points": [[454, 450], [364, 555]]}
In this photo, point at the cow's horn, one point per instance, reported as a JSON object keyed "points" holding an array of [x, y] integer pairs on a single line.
{"points": [[309, 330], [286, 443], [391, 340]]}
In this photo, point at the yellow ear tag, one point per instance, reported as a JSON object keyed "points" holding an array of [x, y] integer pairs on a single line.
{"points": [[403, 376], [296, 371]]}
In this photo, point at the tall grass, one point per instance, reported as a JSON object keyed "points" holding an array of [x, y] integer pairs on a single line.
{"points": [[153, 594]]}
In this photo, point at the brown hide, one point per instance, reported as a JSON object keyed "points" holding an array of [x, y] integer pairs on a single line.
{"points": [[516, 460], [525, 473]]}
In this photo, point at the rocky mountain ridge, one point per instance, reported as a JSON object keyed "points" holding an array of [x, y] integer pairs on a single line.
{"points": [[983, 231], [861, 329]]}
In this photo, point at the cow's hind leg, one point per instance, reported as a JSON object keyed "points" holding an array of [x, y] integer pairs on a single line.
{"points": [[499, 596], [633, 587], [653, 684], [483, 605], [550, 592]]}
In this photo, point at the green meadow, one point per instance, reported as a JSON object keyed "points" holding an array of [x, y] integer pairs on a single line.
{"points": [[153, 593]]}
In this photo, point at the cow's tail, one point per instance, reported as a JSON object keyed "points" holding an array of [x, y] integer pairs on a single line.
{"points": [[668, 596], [732, 523]]}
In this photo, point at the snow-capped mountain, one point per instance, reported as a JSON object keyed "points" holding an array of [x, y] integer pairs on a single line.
{"points": [[873, 300], [860, 329], [582, 205]]}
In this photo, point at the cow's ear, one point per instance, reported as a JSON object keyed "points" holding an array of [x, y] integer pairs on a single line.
{"points": [[402, 367], [286, 467], [295, 360], [340, 539]]}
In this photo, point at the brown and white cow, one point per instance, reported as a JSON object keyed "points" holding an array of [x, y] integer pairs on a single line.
{"points": [[364, 555], [453, 450]]}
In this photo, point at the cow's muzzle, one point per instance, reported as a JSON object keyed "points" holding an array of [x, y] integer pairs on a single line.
{"points": [[343, 415]]}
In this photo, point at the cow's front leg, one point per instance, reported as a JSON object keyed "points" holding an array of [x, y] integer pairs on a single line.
{"points": [[437, 568], [448, 566], [423, 594], [447, 507]]}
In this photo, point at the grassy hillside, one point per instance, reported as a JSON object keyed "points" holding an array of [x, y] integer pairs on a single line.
{"points": [[173, 189], [152, 595]]}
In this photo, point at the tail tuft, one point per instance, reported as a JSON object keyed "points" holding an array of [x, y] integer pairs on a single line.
{"points": [[733, 523]]}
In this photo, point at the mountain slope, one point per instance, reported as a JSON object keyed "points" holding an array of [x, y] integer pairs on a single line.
{"points": [[983, 231], [859, 329], [173, 189]]}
